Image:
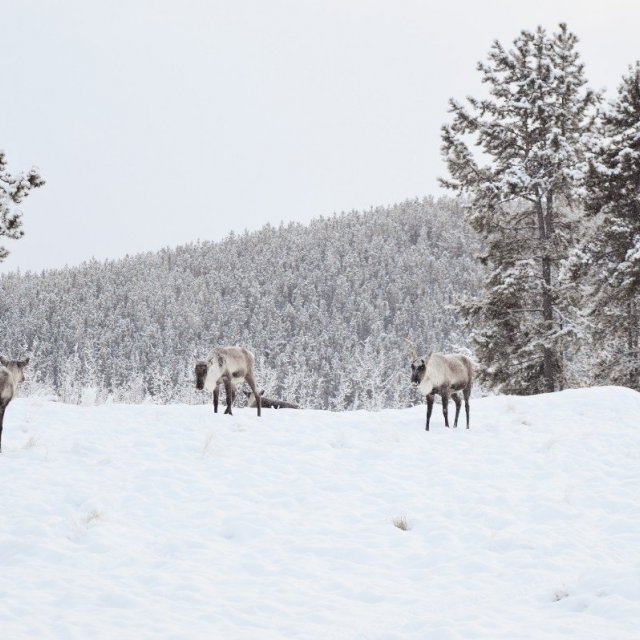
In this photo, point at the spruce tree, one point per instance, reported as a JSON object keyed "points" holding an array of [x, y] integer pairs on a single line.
{"points": [[518, 155], [606, 264], [13, 190]]}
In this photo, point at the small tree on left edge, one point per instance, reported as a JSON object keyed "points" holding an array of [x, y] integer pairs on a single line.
{"points": [[13, 190]]}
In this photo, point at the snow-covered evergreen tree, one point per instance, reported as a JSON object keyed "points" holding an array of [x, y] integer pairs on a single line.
{"points": [[13, 190], [606, 264], [519, 156]]}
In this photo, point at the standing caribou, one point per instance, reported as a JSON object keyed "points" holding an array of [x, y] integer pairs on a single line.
{"points": [[11, 375], [446, 375], [230, 366]]}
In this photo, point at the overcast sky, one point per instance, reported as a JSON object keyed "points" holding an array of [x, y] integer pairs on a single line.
{"points": [[158, 123]]}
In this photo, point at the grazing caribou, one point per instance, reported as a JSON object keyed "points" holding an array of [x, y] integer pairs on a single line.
{"points": [[230, 366], [446, 375], [11, 375], [201, 375], [268, 403]]}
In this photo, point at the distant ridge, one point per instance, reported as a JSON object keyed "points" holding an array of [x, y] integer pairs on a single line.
{"points": [[326, 308]]}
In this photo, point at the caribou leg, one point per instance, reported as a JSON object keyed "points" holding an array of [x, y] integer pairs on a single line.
{"points": [[2, 408], [467, 393], [456, 399], [252, 383], [216, 396], [429, 409], [229, 391], [445, 407]]}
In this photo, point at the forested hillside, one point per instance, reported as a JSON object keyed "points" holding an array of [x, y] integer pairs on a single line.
{"points": [[326, 307]]}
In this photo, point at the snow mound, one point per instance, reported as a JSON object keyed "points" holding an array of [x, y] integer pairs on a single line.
{"points": [[172, 522]]}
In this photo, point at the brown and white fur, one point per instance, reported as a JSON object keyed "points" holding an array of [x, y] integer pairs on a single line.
{"points": [[11, 375], [447, 375], [268, 403], [230, 366]]}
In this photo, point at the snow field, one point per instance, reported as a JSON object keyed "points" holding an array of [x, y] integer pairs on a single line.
{"points": [[173, 522]]}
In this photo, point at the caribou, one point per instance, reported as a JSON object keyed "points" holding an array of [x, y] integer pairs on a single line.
{"points": [[230, 366], [11, 375], [268, 403], [448, 375]]}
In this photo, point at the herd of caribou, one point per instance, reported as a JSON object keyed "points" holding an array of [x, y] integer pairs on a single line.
{"points": [[447, 375]]}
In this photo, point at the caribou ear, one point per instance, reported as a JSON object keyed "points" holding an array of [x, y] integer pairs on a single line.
{"points": [[25, 362], [3, 361], [429, 355]]}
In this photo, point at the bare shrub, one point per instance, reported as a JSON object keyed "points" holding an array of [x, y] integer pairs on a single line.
{"points": [[401, 523]]}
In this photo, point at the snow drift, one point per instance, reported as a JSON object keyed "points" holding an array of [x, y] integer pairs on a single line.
{"points": [[172, 522]]}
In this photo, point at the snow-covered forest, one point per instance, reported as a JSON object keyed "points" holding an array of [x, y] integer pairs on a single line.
{"points": [[537, 261], [326, 308]]}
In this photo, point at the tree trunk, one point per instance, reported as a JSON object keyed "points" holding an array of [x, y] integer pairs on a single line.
{"points": [[632, 343], [544, 222], [547, 315]]}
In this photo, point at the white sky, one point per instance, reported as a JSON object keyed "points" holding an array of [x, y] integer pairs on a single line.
{"points": [[158, 123]]}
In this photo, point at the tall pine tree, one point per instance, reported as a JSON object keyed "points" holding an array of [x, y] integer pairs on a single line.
{"points": [[518, 155], [607, 262]]}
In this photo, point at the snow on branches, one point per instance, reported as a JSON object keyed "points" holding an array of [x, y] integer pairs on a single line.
{"points": [[520, 155], [13, 190]]}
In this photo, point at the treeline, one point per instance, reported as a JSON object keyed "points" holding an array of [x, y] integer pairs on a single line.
{"points": [[327, 308]]}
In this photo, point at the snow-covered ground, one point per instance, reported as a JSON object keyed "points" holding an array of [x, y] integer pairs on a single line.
{"points": [[172, 522]]}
